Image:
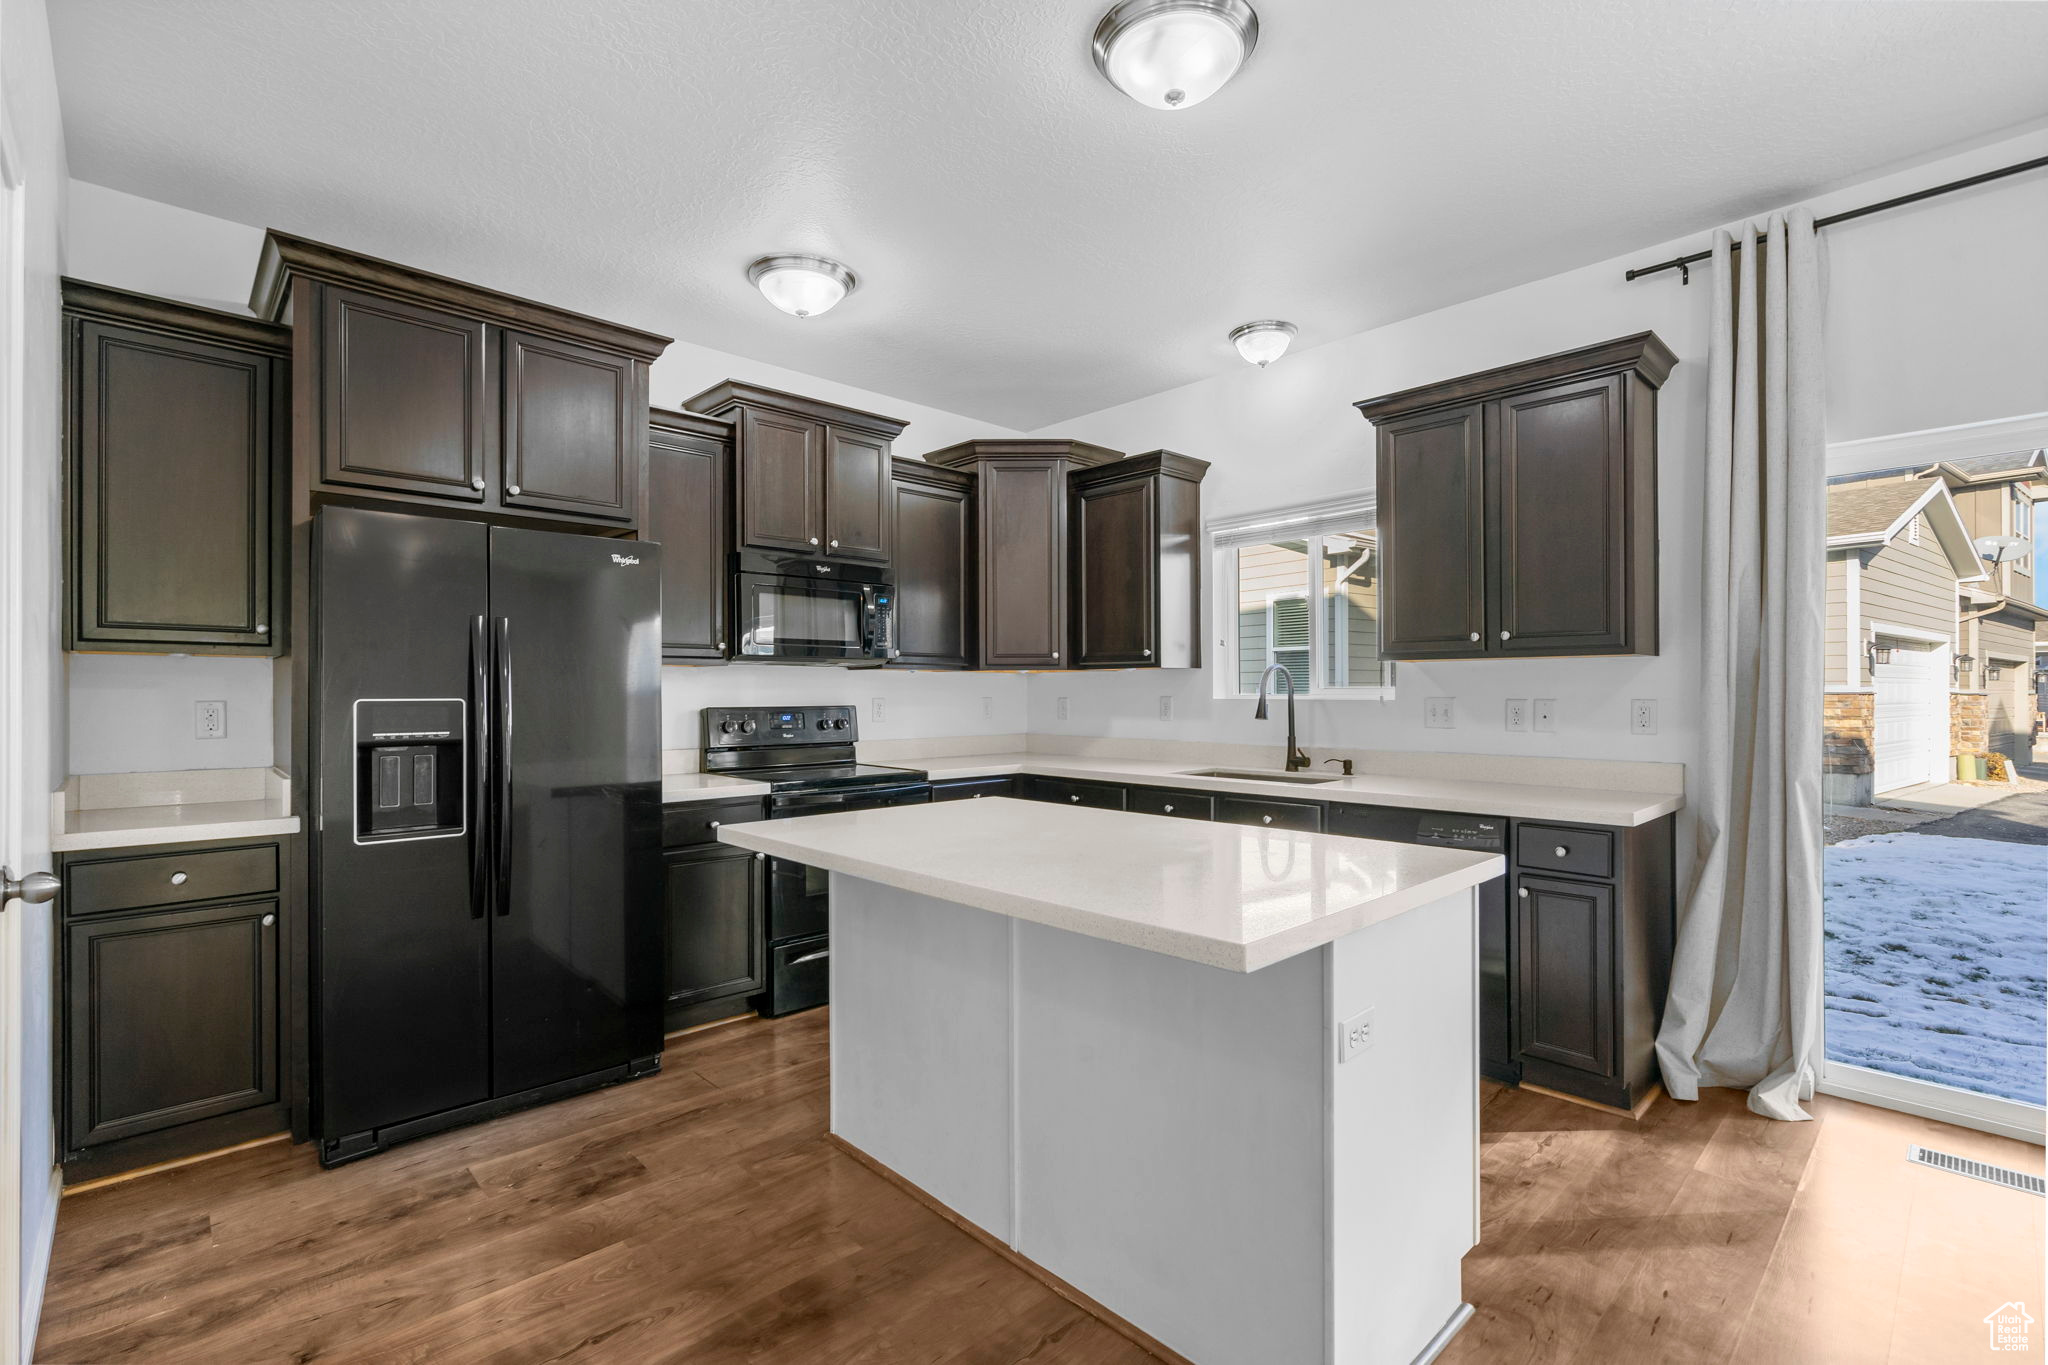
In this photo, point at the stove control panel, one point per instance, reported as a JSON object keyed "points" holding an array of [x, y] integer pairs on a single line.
{"points": [[767, 726]]}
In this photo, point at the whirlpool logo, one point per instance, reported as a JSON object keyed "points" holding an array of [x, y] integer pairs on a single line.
{"points": [[625, 559]]}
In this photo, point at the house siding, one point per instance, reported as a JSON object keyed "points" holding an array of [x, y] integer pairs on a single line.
{"points": [[1841, 668], [1263, 570], [1910, 586], [2008, 698]]}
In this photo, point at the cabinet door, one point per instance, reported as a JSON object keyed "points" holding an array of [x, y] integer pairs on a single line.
{"points": [[1559, 475], [1114, 531], [934, 574], [402, 397], [573, 441], [1023, 564], [857, 498], [1432, 496], [169, 1018], [1565, 941], [174, 444], [781, 470], [717, 932], [687, 514]]}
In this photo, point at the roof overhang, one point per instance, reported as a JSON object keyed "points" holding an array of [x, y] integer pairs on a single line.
{"points": [[1948, 529]]}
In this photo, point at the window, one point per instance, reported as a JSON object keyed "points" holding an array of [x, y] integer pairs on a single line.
{"points": [[1300, 588]]}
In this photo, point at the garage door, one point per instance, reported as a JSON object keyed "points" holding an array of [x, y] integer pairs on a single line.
{"points": [[1910, 730]]}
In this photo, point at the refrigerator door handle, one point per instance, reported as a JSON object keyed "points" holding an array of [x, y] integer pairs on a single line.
{"points": [[501, 822], [479, 766]]}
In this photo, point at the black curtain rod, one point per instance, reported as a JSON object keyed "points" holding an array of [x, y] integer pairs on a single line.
{"points": [[1683, 264]]}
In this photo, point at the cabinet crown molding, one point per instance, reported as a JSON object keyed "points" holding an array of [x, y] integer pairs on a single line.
{"points": [[1078, 454], [732, 393], [932, 475], [1171, 463], [695, 423], [82, 298], [286, 257], [1644, 353]]}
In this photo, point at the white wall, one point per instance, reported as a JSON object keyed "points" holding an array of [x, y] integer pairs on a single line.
{"points": [[133, 713], [1927, 327], [28, 81]]}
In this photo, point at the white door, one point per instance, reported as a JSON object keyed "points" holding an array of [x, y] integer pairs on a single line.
{"points": [[28, 676], [1909, 739]]}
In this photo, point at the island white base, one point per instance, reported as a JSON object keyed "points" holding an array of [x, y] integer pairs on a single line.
{"points": [[1178, 1142]]}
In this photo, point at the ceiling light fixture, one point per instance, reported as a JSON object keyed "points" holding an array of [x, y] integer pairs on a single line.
{"points": [[1173, 54], [803, 286], [1262, 342]]}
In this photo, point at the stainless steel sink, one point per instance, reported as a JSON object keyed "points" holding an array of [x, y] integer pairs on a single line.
{"points": [[1263, 775]]}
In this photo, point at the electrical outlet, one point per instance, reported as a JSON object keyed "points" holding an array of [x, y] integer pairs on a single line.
{"points": [[1355, 1035], [1166, 708], [988, 708], [1543, 715], [1518, 714], [210, 719], [878, 710], [1059, 708], [1642, 716], [1436, 713]]}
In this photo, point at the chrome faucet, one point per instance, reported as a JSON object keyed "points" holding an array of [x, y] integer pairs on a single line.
{"points": [[1296, 759]]}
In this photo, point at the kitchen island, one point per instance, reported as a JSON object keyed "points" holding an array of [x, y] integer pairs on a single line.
{"points": [[1218, 1083]]}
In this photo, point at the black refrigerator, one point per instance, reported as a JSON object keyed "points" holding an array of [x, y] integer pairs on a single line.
{"points": [[486, 860]]}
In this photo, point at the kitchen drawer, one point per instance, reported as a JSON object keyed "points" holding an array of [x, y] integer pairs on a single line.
{"points": [[1067, 792], [1553, 848], [697, 822], [169, 878], [967, 788], [1184, 805], [1306, 816]]}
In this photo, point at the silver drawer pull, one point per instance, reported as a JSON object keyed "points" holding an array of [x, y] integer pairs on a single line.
{"points": [[835, 544], [1523, 893], [760, 857], [1561, 851], [477, 482], [262, 629], [1475, 637], [1055, 654], [1169, 809], [1073, 798], [1505, 636], [178, 879], [814, 540], [1265, 819], [511, 490], [810, 957], [712, 823], [1148, 653], [269, 920]]}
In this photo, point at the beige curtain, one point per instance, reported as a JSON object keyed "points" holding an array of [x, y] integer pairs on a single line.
{"points": [[1744, 1009]]}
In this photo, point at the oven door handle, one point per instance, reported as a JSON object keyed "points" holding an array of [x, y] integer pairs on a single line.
{"points": [[868, 797]]}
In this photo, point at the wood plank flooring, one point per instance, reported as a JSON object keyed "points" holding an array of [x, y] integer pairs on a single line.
{"points": [[701, 1216]]}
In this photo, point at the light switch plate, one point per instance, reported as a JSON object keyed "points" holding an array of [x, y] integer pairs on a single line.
{"points": [[1518, 714], [1642, 716], [1543, 715], [1436, 713], [209, 719], [1354, 1035]]}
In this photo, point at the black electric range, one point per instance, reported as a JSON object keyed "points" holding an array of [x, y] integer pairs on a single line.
{"points": [[805, 755]]}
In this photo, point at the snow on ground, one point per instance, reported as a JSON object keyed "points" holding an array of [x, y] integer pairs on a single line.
{"points": [[1937, 960]]}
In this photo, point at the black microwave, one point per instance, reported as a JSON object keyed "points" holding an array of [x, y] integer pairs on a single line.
{"points": [[807, 611]]}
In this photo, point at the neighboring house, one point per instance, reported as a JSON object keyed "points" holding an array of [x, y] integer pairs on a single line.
{"points": [[1999, 496], [1898, 556], [1273, 584]]}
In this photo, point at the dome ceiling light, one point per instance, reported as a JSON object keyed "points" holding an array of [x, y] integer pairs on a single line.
{"points": [[803, 286], [1263, 342], [1173, 54]]}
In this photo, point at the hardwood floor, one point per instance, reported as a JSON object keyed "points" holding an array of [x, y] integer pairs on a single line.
{"points": [[700, 1215]]}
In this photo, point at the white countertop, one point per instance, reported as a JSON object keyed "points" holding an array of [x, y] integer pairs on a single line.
{"points": [[1229, 896], [135, 826], [1576, 805], [677, 788]]}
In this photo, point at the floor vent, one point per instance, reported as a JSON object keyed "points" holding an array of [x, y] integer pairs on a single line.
{"points": [[1979, 1170]]}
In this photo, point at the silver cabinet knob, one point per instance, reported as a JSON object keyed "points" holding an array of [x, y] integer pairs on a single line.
{"points": [[1505, 636], [477, 482], [760, 857], [1073, 798], [1523, 892], [262, 629], [713, 824], [1265, 819], [835, 544], [1055, 654], [1169, 808], [511, 490], [1475, 637], [1560, 850], [33, 889], [821, 567], [721, 644], [814, 541], [269, 920], [178, 879], [1148, 653]]}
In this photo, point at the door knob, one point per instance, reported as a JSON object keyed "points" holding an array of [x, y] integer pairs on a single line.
{"points": [[35, 888]]}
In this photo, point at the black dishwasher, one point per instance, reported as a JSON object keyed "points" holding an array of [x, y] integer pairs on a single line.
{"points": [[1481, 834]]}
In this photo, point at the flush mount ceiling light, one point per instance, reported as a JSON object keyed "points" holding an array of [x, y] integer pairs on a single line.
{"points": [[1263, 342], [803, 286], [1173, 54]]}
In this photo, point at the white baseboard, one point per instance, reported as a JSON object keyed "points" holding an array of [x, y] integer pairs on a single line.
{"points": [[1945, 1103]]}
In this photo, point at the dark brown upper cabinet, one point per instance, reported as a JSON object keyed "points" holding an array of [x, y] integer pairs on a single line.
{"points": [[689, 511], [1134, 528], [1021, 552], [450, 397], [810, 478], [935, 580], [175, 432], [1518, 507]]}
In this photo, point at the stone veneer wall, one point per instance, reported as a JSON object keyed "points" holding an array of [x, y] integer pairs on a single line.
{"points": [[1969, 723], [1847, 720]]}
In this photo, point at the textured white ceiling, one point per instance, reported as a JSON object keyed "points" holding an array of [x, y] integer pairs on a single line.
{"points": [[1033, 245]]}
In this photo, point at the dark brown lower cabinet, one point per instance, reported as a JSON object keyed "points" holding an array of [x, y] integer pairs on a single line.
{"points": [[170, 1032], [1306, 816], [717, 932], [1567, 973], [1181, 805], [1070, 792], [968, 788]]}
